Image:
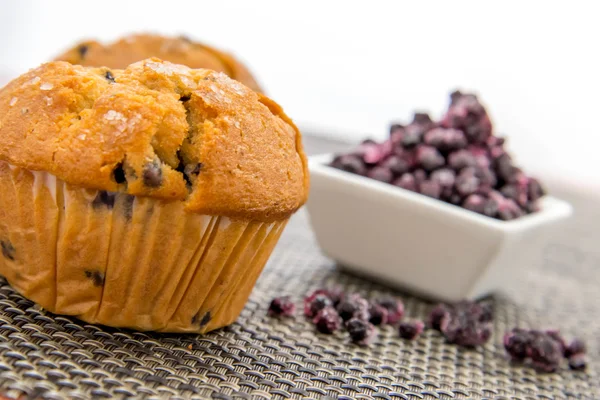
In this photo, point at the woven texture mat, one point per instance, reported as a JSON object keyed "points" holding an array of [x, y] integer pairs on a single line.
{"points": [[54, 357]]}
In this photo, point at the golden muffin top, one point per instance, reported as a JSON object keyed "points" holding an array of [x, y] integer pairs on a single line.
{"points": [[160, 130], [179, 50]]}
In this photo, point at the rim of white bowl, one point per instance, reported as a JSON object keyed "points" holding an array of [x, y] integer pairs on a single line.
{"points": [[551, 208]]}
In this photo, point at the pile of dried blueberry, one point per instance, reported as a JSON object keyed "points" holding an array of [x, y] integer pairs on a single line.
{"points": [[466, 323], [544, 350], [331, 310], [457, 160]]}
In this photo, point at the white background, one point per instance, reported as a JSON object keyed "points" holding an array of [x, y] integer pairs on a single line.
{"points": [[348, 68]]}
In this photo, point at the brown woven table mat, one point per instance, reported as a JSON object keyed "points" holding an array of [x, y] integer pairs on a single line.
{"points": [[54, 357]]}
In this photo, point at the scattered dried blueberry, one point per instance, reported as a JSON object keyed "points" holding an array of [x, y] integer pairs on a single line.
{"points": [[281, 307], [353, 306], [361, 331], [394, 307], [315, 303], [545, 353], [545, 349], [516, 344], [577, 346], [378, 315], [410, 330], [336, 294], [577, 362], [555, 334], [487, 311], [327, 320], [464, 330], [438, 317], [466, 323]]}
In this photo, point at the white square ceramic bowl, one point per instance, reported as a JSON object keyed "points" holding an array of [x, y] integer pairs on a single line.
{"points": [[408, 240]]}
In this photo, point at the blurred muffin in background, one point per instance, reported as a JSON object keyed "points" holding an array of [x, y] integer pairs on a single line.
{"points": [[179, 50]]}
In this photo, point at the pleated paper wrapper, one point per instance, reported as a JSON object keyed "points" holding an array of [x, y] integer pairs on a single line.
{"points": [[125, 261]]}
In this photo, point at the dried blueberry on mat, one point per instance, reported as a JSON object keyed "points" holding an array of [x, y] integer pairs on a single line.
{"points": [[282, 307], [361, 332], [545, 353], [465, 323], [577, 346], [321, 298], [544, 350], [378, 315], [411, 330], [327, 320], [353, 306], [577, 362], [394, 307], [438, 317], [516, 344], [315, 303]]}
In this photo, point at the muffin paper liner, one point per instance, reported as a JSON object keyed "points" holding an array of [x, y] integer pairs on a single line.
{"points": [[125, 261]]}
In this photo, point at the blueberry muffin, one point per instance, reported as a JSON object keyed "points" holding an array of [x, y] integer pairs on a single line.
{"points": [[147, 198], [179, 50]]}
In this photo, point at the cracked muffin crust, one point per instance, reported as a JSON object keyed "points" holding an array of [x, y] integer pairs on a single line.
{"points": [[178, 50], [159, 130]]}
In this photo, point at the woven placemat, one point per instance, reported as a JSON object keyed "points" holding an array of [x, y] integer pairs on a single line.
{"points": [[54, 357]]}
